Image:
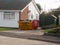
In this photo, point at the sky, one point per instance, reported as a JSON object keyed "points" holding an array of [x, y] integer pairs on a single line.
{"points": [[48, 4]]}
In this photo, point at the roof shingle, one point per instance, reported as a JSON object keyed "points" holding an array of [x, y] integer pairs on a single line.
{"points": [[13, 4]]}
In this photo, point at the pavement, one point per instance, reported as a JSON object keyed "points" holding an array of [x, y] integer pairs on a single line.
{"points": [[33, 37]]}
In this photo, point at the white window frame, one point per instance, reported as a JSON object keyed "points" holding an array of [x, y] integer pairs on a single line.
{"points": [[9, 15]]}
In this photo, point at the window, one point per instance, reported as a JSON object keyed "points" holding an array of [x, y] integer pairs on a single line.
{"points": [[31, 16], [37, 17], [9, 15]]}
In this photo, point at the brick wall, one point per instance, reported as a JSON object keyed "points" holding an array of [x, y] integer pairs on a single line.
{"points": [[24, 14]]}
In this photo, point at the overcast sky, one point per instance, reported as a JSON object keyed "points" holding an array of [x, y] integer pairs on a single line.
{"points": [[48, 4]]}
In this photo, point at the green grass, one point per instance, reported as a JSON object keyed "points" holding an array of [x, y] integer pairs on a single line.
{"points": [[48, 30], [7, 29], [51, 31]]}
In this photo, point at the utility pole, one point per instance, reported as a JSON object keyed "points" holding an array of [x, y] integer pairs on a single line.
{"points": [[44, 1]]}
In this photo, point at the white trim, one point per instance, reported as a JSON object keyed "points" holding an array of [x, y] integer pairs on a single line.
{"points": [[54, 16], [35, 6], [10, 10]]}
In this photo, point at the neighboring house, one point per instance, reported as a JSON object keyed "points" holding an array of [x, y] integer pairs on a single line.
{"points": [[58, 20], [12, 11], [56, 12]]}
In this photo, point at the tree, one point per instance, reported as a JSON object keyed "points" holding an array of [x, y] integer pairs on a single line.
{"points": [[39, 7]]}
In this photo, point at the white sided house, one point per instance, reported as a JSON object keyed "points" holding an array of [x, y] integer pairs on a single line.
{"points": [[12, 11]]}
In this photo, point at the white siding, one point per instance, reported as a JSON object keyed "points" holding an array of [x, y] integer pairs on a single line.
{"points": [[33, 11], [59, 20], [9, 23]]}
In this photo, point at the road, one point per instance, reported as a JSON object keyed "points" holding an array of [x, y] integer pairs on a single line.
{"points": [[10, 40], [18, 41]]}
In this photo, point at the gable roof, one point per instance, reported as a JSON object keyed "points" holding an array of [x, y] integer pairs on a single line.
{"points": [[13, 4]]}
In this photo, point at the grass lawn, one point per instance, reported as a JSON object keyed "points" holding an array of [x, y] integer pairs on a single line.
{"points": [[48, 30], [7, 29], [51, 31]]}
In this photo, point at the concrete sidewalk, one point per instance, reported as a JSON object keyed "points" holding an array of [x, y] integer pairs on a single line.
{"points": [[32, 35]]}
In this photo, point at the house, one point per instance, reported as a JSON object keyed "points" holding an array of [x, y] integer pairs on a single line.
{"points": [[12, 11], [56, 13]]}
